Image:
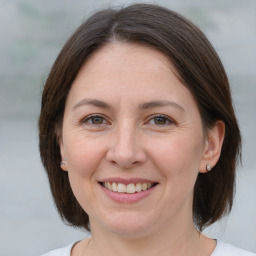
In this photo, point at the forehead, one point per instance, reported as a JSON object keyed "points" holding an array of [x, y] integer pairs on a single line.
{"points": [[128, 71], [123, 52], [123, 63]]}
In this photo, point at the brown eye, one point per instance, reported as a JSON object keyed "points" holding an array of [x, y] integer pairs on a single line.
{"points": [[159, 120], [94, 120], [97, 120]]}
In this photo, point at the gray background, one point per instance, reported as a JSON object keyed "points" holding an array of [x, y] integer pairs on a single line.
{"points": [[32, 33]]}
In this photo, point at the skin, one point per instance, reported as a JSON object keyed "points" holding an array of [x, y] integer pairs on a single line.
{"points": [[127, 141]]}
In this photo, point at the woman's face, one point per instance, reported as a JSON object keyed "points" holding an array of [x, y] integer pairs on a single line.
{"points": [[131, 125]]}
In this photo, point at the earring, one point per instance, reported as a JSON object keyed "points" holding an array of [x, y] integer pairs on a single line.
{"points": [[208, 167], [62, 163]]}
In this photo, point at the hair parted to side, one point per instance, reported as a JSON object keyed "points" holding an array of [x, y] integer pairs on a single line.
{"points": [[198, 67]]}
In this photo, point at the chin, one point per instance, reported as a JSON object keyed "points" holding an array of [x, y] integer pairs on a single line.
{"points": [[128, 225]]}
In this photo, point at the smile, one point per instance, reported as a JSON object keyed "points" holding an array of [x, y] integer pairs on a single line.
{"points": [[130, 188]]}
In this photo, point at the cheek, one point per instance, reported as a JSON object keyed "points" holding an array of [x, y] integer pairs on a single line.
{"points": [[83, 154], [178, 159]]}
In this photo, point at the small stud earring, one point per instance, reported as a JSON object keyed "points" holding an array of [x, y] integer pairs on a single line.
{"points": [[62, 163], [208, 167]]}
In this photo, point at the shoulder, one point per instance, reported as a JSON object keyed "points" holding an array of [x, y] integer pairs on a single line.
{"points": [[223, 249], [65, 251]]}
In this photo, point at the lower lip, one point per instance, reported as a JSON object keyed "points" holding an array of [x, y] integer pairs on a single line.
{"points": [[126, 197]]}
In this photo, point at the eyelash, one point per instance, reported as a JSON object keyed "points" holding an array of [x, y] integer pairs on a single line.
{"points": [[89, 118], [165, 118]]}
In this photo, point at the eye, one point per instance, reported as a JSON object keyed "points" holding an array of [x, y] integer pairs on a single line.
{"points": [[94, 120], [160, 120]]}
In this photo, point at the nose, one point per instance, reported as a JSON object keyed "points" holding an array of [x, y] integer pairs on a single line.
{"points": [[126, 149]]}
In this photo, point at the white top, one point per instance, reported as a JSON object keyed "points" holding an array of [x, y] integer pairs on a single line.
{"points": [[222, 249]]}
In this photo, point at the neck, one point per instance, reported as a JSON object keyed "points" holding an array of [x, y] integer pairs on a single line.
{"points": [[181, 239]]}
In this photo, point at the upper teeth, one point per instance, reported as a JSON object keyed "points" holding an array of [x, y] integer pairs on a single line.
{"points": [[129, 188]]}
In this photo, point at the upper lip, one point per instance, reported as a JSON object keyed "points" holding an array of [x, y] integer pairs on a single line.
{"points": [[127, 181]]}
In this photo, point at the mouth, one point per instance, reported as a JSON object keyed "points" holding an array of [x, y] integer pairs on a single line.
{"points": [[130, 188]]}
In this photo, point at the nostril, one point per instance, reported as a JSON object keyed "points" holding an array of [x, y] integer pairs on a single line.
{"points": [[125, 155], [124, 163]]}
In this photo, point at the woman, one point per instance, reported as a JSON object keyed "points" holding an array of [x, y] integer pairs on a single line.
{"points": [[138, 135]]}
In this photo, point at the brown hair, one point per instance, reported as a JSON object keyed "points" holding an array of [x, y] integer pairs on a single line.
{"points": [[199, 68]]}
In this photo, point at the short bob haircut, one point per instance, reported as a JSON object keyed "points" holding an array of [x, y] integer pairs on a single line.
{"points": [[199, 69]]}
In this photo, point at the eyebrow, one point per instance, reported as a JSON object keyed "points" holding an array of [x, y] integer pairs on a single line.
{"points": [[161, 103], [146, 105], [93, 102]]}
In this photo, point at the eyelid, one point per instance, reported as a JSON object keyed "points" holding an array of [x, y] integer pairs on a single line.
{"points": [[84, 120], [169, 120]]}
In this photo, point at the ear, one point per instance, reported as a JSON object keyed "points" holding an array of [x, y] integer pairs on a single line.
{"points": [[63, 164], [213, 145]]}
